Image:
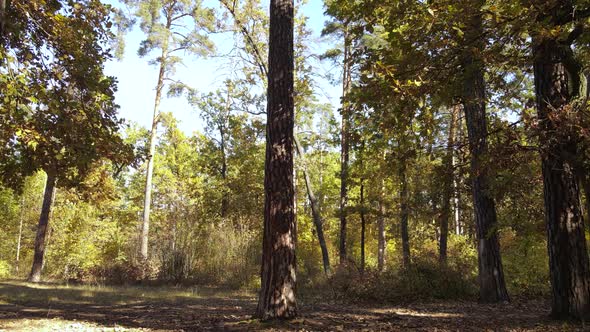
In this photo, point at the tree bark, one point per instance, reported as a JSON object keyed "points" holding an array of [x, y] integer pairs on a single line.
{"points": [[363, 224], [345, 145], [457, 178], [315, 209], [145, 227], [568, 258], [405, 213], [492, 287], [42, 229], [449, 181], [278, 278], [586, 186]]}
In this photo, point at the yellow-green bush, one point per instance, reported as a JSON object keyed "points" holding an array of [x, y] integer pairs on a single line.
{"points": [[5, 269]]}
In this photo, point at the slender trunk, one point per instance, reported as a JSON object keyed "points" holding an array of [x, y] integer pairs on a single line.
{"points": [[315, 209], [2, 19], [555, 85], [586, 186], [345, 146], [145, 229], [381, 229], [449, 180], [20, 234], [457, 178], [492, 287], [278, 276], [224, 197], [222, 133], [363, 225], [405, 213], [42, 229]]}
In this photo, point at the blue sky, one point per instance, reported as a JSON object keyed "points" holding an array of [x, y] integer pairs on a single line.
{"points": [[137, 79]]}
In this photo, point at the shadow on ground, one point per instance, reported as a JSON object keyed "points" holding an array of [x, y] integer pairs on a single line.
{"points": [[171, 309]]}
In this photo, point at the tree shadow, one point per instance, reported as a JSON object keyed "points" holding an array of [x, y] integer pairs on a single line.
{"points": [[138, 308], [173, 309]]}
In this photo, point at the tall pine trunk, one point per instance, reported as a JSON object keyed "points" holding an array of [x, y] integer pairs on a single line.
{"points": [[449, 181], [278, 277], [568, 258], [315, 209], [344, 144], [42, 229], [492, 287], [145, 226], [405, 214]]}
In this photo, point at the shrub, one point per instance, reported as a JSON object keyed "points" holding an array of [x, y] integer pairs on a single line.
{"points": [[422, 281], [5, 269]]}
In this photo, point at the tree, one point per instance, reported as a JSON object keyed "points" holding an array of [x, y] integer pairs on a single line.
{"points": [[315, 208], [448, 186], [343, 29], [171, 26], [278, 281], [71, 118], [492, 287], [559, 81]]}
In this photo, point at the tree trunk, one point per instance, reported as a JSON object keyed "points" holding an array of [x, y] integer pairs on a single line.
{"points": [[224, 197], [449, 180], [145, 227], [42, 229], [2, 19], [363, 225], [405, 213], [492, 287], [586, 186], [315, 209], [381, 229], [278, 278], [20, 234], [568, 259], [457, 177], [345, 145]]}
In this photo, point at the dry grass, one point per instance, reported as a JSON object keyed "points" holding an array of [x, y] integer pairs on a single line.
{"points": [[47, 307]]}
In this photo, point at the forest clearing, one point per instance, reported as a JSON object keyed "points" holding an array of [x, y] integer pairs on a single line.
{"points": [[294, 165], [24, 307]]}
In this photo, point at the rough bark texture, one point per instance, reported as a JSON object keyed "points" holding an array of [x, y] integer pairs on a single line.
{"points": [[345, 146], [145, 226], [492, 287], [405, 213], [315, 209], [449, 180], [278, 280], [42, 229], [568, 258]]}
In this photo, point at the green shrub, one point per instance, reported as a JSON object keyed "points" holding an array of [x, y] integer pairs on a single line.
{"points": [[5, 270], [424, 280]]}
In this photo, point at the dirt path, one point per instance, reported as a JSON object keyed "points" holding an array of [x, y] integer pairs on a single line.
{"points": [[25, 307]]}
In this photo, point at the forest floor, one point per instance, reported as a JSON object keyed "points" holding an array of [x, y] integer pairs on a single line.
{"points": [[50, 307]]}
